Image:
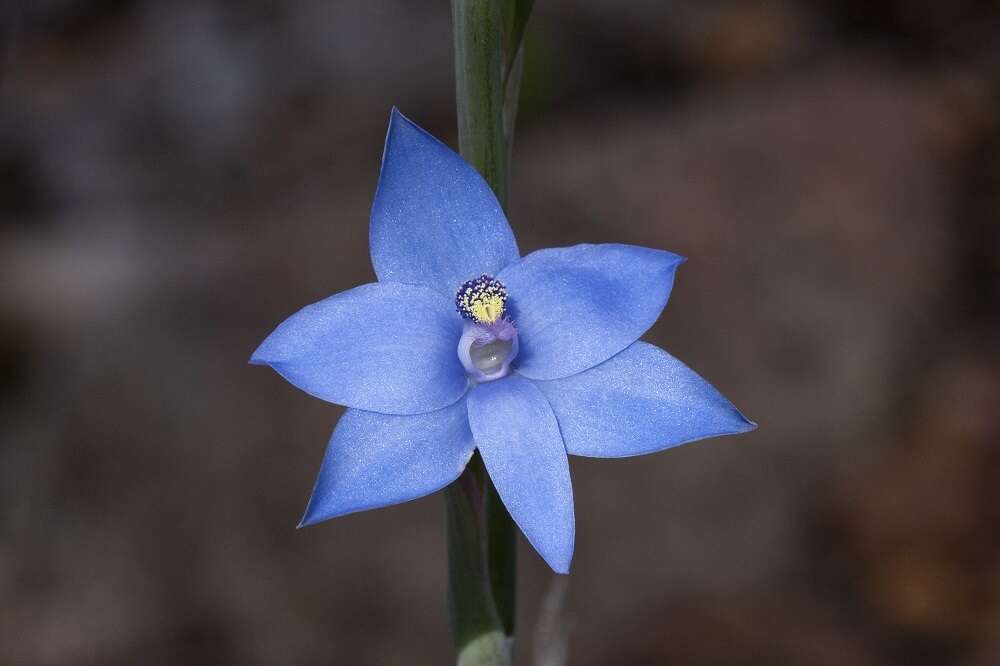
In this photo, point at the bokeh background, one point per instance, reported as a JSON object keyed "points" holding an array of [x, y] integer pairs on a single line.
{"points": [[177, 177]]}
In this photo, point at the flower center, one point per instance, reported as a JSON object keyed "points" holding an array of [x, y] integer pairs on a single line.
{"points": [[489, 339], [482, 299]]}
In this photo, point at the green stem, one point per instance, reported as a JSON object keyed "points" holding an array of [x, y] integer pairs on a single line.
{"points": [[481, 535], [479, 95], [479, 545]]}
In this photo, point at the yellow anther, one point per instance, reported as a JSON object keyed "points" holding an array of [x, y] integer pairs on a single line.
{"points": [[482, 300]]}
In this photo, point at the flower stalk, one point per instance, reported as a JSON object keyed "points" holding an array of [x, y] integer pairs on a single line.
{"points": [[481, 535]]}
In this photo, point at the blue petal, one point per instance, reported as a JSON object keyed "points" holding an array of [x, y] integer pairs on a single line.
{"points": [[518, 438], [435, 221], [578, 306], [381, 347], [640, 401], [374, 460]]}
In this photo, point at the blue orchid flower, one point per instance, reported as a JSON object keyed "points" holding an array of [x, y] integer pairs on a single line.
{"points": [[464, 344]]}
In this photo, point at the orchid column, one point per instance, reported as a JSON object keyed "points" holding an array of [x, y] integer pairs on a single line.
{"points": [[481, 535]]}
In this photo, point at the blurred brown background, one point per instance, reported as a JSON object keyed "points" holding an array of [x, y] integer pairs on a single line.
{"points": [[177, 177]]}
